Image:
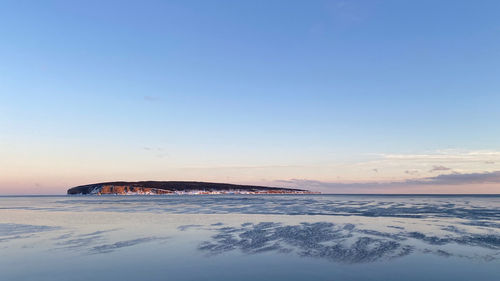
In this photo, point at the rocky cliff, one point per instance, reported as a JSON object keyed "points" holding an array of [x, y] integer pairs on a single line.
{"points": [[178, 187]]}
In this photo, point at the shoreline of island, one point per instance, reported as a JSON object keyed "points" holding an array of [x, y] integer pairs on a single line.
{"points": [[178, 188]]}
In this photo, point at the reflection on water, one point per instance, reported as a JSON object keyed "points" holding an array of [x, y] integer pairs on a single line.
{"points": [[353, 237]]}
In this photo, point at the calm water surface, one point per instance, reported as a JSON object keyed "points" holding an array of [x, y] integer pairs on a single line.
{"points": [[297, 237]]}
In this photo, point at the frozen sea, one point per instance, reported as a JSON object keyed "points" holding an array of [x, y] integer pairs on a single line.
{"points": [[254, 237]]}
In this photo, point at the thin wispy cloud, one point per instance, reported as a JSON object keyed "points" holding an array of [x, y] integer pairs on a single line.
{"points": [[158, 151], [439, 168], [447, 155], [447, 179], [390, 166], [458, 178]]}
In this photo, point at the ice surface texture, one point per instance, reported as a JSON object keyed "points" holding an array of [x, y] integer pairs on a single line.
{"points": [[340, 243]]}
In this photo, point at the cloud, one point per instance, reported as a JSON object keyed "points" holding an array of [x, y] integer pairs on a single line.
{"points": [[439, 168], [159, 152], [398, 167], [458, 178], [451, 156], [440, 180]]}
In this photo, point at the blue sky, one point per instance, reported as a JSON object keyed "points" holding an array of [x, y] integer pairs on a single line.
{"points": [[246, 91]]}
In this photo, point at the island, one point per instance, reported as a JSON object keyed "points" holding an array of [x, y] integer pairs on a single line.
{"points": [[177, 188]]}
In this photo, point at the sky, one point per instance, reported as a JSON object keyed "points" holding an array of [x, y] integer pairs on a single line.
{"points": [[333, 96]]}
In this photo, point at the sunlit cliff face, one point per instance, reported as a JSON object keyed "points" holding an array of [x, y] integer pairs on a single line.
{"points": [[113, 189], [103, 189]]}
